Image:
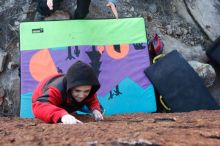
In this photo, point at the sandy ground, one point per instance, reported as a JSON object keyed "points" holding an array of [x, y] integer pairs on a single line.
{"points": [[158, 129]]}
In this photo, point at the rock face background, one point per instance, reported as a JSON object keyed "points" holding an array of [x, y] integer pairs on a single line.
{"points": [[190, 26]]}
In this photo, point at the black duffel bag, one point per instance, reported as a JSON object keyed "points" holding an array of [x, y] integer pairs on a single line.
{"points": [[179, 85]]}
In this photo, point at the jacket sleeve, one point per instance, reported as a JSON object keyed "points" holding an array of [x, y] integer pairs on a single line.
{"points": [[93, 103], [113, 1], [46, 107]]}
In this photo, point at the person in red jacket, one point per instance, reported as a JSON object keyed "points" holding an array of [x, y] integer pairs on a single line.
{"points": [[57, 96]]}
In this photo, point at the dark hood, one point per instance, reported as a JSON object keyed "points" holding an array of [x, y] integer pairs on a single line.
{"points": [[80, 74]]}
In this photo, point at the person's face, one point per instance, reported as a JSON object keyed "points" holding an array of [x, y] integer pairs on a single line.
{"points": [[81, 92]]}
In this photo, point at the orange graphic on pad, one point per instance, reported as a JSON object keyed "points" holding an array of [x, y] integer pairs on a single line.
{"points": [[124, 49], [42, 65]]}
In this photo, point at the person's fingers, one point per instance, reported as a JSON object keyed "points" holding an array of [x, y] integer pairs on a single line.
{"points": [[69, 120], [50, 4], [113, 8], [98, 117], [101, 117], [78, 121], [66, 121]]}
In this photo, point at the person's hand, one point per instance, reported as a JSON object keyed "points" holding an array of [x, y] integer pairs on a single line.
{"points": [[113, 8], [97, 114], [50, 4], [68, 119]]}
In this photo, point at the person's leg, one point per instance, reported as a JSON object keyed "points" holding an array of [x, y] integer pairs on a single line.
{"points": [[82, 9], [43, 10]]}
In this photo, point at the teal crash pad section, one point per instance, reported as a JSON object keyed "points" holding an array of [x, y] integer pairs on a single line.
{"points": [[26, 111]]}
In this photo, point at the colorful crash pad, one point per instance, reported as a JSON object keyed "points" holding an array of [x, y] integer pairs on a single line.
{"points": [[116, 49]]}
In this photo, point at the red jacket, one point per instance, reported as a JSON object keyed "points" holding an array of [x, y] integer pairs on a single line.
{"points": [[51, 100]]}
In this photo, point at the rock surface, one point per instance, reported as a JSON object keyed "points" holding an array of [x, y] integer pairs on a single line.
{"points": [[195, 53], [200, 128], [3, 56], [207, 15], [205, 71]]}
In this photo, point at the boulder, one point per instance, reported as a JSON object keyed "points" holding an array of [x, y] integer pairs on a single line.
{"points": [[207, 15], [205, 71], [195, 53]]}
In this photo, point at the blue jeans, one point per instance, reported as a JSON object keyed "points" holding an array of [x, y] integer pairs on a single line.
{"points": [[86, 110]]}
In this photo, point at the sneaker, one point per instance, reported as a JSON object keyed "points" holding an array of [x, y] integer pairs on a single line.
{"points": [[39, 17]]}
